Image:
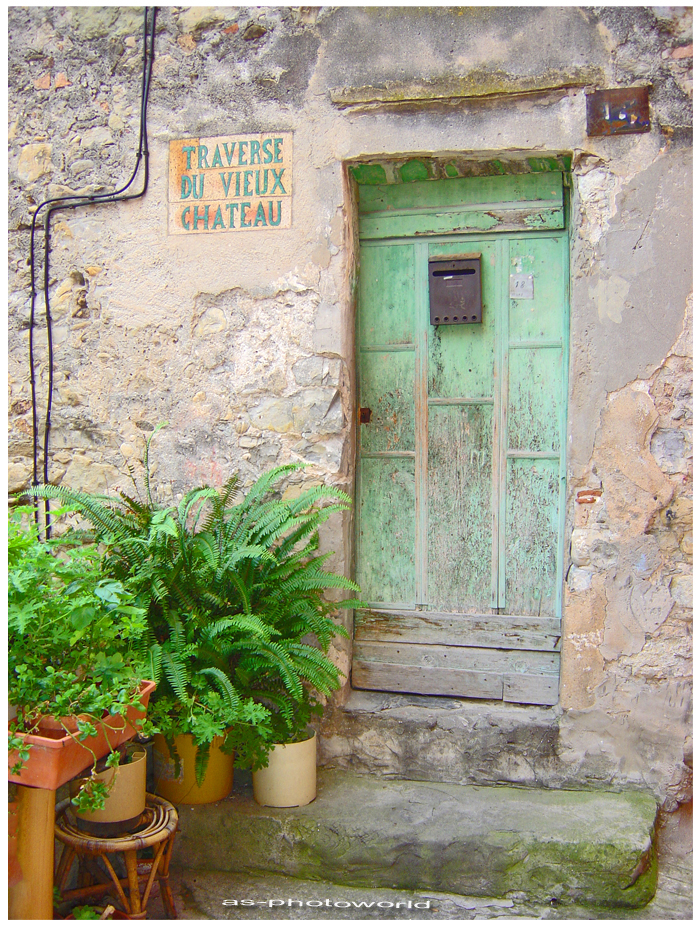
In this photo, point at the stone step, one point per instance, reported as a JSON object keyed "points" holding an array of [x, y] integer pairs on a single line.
{"points": [[446, 740], [207, 895], [540, 846]]}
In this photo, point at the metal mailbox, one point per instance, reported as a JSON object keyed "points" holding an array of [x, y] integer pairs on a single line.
{"points": [[455, 291]]}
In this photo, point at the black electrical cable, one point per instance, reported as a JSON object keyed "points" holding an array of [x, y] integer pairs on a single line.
{"points": [[74, 202]]}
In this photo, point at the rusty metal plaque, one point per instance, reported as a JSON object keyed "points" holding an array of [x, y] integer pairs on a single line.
{"points": [[455, 291], [618, 112]]}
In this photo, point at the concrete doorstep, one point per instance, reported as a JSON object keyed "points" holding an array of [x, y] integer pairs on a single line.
{"points": [[530, 846]]}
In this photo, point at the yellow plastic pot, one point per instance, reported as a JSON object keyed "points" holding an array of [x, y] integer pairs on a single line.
{"points": [[289, 779], [183, 789]]}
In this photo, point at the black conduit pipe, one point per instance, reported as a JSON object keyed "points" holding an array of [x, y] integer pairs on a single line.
{"points": [[74, 202]]}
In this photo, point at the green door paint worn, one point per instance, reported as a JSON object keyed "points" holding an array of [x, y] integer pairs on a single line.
{"points": [[461, 469], [464, 204]]}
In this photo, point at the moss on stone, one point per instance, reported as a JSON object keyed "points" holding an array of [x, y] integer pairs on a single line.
{"points": [[594, 848]]}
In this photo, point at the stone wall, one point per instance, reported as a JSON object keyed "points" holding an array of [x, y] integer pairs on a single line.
{"points": [[243, 342]]}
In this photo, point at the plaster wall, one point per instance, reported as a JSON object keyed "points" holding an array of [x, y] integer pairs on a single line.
{"points": [[243, 341]]}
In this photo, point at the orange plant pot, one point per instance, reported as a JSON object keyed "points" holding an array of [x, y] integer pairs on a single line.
{"points": [[53, 761], [218, 780]]}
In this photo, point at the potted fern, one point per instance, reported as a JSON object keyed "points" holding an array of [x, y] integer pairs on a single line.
{"points": [[232, 590], [162, 553], [203, 721], [288, 667]]}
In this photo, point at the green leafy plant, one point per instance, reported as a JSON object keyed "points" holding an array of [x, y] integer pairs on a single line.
{"points": [[86, 912], [160, 552], [285, 592], [233, 592], [198, 699], [73, 639]]}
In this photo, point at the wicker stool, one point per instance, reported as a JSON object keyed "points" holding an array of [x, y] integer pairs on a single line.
{"points": [[156, 828]]}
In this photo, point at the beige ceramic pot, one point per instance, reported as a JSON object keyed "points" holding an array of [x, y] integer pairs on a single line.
{"points": [[127, 795], [289, 779], [183, 788]]}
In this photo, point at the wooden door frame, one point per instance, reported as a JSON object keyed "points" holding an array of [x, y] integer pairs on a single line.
{"points": [[560, 554]]}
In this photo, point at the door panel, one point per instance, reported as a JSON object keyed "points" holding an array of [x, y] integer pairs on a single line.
{"points": [[532, 528], [386, 557], [387, 296], [387, 381], [461, 463], [466, 204], [460, 518], [461, 357], [542, 317], [534, 399]]}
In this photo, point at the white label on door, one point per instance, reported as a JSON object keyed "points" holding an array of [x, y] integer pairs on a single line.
{"points": [[522, 286]]}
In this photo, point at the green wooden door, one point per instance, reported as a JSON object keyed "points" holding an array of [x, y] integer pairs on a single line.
{"points": [[461, 468]]}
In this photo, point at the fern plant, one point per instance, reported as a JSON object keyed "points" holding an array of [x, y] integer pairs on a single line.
{"points": [[234, 594], [201, 702], [282, 590]]}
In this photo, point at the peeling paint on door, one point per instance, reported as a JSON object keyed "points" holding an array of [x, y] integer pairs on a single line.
{"points": [[461, 469]]}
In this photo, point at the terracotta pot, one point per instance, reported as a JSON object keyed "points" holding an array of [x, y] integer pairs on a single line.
{"points": [[127, 796], [49, 726], [289, 779], [53, 761], [183, 789]]}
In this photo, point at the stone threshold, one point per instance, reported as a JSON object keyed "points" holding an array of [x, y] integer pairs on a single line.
{"points": [[445, 739]]}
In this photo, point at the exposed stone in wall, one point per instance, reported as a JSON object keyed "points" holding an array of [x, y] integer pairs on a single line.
{"points": [[627, 646], [653, 44], [631, 219]]}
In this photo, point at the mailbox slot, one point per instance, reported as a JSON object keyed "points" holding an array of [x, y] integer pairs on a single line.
{"points": [[455, 291]]}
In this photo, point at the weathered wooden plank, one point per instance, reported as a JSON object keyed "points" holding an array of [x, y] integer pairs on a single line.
{"points": [[385, 303], [475, 659], [422, 310], [531, 690], [386, 536], [462, 191], [497, 631], [488, 218], [426, 680], [460, 520], [535, 398], [531, 536], [387, 390]]}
